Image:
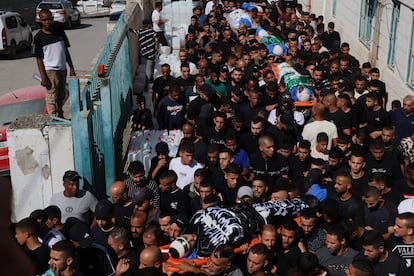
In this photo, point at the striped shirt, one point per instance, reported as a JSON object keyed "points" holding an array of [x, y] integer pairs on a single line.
{"points": [[151, 184], [146, 39]]}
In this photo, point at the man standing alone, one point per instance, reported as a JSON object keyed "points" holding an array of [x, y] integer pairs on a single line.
{"points": [[148, 44], [158, 24], [52, 54]]}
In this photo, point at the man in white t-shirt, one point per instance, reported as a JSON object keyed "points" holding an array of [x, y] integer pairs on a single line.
{"points": [[209, 6], [158, 24], [184, 165], [311, 130], [74, 202]]}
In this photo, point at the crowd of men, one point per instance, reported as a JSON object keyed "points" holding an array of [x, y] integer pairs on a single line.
{"points": [[322, 190]]}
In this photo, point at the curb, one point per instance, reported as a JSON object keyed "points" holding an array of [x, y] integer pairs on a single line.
{"points": [[94, 15]]}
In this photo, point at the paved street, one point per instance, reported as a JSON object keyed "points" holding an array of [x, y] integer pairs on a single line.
{"points": [[86, 43]]}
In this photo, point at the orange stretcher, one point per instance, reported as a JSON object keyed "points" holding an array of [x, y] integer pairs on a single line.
{"points": [[197, 262], [304, 104]]}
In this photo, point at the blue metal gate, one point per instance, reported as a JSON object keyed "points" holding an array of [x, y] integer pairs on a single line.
{"points": [[100, 112]]}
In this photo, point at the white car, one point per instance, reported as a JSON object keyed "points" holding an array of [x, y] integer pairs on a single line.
{"points": [[62, 11], [16, 34], [116, 8]]}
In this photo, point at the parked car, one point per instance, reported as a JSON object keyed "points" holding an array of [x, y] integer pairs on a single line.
{"points": [[116, 8], [62, 12], [20, 102], [16, 34]]}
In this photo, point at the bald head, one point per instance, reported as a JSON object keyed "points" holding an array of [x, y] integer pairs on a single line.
{"points": [[317, 110], [150, 257], [264, 139], [330, 99], [138, 223], [202, 63], [118, 192]]}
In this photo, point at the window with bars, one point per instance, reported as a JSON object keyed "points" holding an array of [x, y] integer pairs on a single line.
{"points": [[393, 35]]}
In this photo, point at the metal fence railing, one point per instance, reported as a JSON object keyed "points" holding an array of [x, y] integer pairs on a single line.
{"points": [[100, 112]]}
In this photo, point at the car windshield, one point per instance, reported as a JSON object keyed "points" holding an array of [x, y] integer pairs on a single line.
{"points": [[50, 6], [120, 2], [9, 112]]}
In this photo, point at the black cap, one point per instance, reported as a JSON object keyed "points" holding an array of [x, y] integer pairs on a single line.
{"points": [[287, 118], [103, 209], [71, 176], [162, 147], [141, 195], [224, 68], [180, 220], [344, 139], [325, 91], [207, 89], [324, 55], [336, 153]]}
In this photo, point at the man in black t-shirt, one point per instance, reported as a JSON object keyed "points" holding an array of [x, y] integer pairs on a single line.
{"points": [[119, 241], [335, 115], [161, 86], [349, 205], [384, 162], [26, 236], [123, 206], [384, 261], [62, 259], [288, 252], [268, 164], [172, 199], [402, 243]]}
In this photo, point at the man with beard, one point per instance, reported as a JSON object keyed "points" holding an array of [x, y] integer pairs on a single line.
{"points": [[249, 140], [349, 205], [260, 189], [313, 236], [384, 262], [161, 86], [137, 181], [379, 214], [257, 260], [138, 223], [235, 87], [288, 252], [119, 242], [123, 206], [384, 162], [299, 165], [336, 256], [403, 119], [377, 117]]}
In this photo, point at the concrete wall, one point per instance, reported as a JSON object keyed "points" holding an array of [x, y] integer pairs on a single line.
{"points": [[39, 156], [347, 22]]}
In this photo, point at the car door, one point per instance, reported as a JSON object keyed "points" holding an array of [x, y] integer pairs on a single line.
{"points": [[24, 28], [12, 29], [73, 11]]}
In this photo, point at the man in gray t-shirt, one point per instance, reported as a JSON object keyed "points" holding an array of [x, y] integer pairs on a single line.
{"points": [[74, 202], [336, 256]]}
